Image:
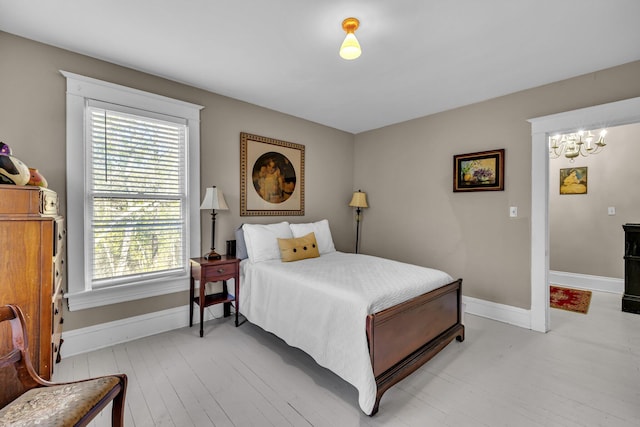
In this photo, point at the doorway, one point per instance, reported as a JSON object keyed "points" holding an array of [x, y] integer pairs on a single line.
{"points": [[600, 116]]}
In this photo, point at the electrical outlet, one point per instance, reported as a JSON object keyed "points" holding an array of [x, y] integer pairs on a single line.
{"points": [[513, 211]]}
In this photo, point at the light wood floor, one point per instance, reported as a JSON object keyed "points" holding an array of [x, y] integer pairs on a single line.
{"points": [[585, 372]]}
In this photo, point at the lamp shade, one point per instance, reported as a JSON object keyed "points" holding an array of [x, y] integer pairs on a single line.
{"points": [[359, 200], [214, 199], [350, 48]]}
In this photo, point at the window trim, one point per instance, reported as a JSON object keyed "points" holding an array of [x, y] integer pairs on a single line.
{"points": [[79, 90]]}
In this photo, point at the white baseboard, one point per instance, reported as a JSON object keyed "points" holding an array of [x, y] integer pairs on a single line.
{"points": [[587, 282], [500, 312], [91, 338], [95, 337]]}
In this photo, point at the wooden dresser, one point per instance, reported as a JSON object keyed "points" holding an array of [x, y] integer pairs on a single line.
{"points": [[32, 250]]}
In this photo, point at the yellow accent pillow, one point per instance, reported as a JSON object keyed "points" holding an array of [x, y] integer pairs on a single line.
{"points": [[300, 248]]}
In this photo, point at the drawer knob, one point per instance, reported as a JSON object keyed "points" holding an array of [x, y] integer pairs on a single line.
{"points": [[221, 270]]}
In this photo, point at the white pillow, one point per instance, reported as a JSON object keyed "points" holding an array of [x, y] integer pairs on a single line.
{"points": [[322, 232], [262, 240]]}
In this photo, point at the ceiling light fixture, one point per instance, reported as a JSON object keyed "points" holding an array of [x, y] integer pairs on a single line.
{"points": [[577, 144], [350, 48]]}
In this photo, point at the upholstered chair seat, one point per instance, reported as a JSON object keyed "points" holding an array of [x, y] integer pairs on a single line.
{"points": [[28, 400]]}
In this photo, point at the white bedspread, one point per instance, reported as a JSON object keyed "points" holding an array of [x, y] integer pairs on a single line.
{"points": [[320, 306]]}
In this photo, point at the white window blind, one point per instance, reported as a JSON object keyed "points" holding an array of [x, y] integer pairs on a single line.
{"points": [[137, 195]]}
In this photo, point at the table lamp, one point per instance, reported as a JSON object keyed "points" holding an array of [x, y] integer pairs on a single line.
{"points": [[213, 199]]}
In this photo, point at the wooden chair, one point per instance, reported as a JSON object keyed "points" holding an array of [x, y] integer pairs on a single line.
{"points": [[27, 399]]}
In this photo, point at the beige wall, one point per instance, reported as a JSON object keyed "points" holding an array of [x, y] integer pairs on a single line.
{"points": [[32, 122], [583, 237], [406, 170]]}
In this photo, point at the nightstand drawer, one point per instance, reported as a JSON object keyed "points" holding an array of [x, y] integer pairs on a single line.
{"points": [[213, 273]]}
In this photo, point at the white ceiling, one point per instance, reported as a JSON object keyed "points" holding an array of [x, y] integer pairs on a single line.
{"points": [[419, 57]]}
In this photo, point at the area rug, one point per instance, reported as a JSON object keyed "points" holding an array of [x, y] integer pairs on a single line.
{"points": [[570, 299]]}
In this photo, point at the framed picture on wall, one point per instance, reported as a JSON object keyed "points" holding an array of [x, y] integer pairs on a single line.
{"points": [[573, 180], [271, 176], [482, 171]]}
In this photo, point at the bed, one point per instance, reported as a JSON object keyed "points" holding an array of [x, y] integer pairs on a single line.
{"points": [[370, 320]]}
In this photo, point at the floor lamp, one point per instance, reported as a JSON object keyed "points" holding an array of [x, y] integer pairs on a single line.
{"points": [[213, 199], [358, 201]]}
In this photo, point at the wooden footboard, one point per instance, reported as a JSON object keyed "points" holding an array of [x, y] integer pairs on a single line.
{"points": [[404, 337]]}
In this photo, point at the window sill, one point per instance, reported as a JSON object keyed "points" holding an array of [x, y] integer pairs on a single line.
{"points": [[123, 293]]}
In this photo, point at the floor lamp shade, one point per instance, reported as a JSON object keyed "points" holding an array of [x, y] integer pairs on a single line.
{"points": [[358, 201], [213, 199]]}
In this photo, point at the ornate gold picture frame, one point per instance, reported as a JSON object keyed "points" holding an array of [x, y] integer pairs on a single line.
{"points": [[271, 176]]}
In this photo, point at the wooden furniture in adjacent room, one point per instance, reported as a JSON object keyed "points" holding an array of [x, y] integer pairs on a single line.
{"points": [[205, 271], [631, 297], [28, 399], [32, 249]]}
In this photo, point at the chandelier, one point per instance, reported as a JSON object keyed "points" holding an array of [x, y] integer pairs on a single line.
{"points": [[572, 145]]}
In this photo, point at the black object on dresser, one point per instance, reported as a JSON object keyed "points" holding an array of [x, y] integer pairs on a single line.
{"points": [[631, 297]]}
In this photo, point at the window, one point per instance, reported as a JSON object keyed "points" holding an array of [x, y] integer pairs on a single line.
{"points": [[132, 167], [136, 196]]}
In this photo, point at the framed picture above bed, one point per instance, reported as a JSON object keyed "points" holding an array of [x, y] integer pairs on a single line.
{"points": [[482, 171], [271, 176]]}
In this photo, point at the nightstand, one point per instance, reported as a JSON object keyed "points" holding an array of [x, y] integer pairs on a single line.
{"points": [[204, 271]]}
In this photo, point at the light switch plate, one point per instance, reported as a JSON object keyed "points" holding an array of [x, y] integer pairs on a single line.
{"points": [[611, 210], [513, 211]]}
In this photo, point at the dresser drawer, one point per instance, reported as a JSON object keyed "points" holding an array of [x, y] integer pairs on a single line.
{"points": [[56, 327], [28, 200], [59, 236], [48, 202], [56, 313], [20, 200], [58, 274]]}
